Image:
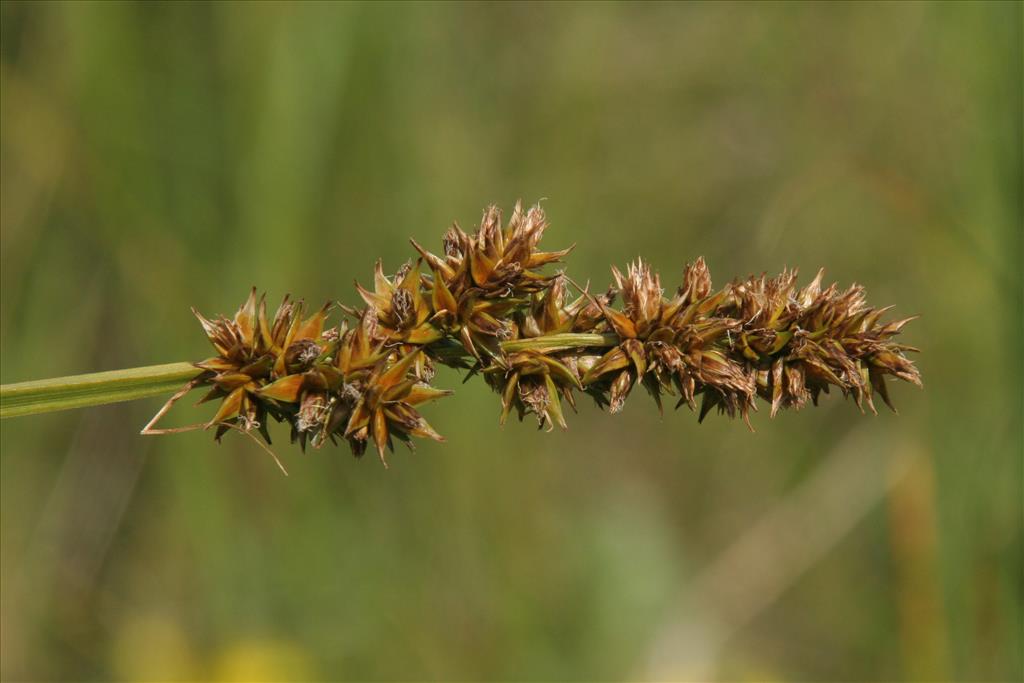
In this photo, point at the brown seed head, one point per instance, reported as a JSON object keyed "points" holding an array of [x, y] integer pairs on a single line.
{"points": [[757, 337]]}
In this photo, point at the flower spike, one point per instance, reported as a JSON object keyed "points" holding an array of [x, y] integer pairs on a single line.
{"points": [[484, 303]]}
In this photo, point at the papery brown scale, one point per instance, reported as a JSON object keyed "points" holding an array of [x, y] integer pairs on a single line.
{"points": [[620, 389], [245, 319], [696, 281], [777, 389], [554, 412], [533, 393]]}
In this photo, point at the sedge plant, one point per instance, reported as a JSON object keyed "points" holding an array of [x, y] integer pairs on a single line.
{"points": [[487, 303]]}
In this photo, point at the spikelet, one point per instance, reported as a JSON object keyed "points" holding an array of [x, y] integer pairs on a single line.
{"points": [[328, 385]]}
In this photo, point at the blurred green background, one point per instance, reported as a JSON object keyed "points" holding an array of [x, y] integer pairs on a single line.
{"points": [[161, 155]]}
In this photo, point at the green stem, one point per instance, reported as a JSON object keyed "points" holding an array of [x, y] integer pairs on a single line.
{"points": [[559, 342], [80, 391]]}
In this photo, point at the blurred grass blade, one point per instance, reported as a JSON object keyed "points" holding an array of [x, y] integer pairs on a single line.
{"points": [[80, 391]]}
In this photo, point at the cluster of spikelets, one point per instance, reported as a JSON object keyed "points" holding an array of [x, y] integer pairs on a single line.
{"points": [[485, 305]]}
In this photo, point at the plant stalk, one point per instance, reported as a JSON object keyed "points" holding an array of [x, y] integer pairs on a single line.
{"points": [[99, 388], [559, 342]]}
